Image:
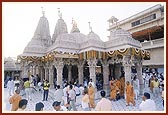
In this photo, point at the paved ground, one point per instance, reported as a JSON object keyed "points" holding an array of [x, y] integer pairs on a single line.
{"points": [[116, 105]]}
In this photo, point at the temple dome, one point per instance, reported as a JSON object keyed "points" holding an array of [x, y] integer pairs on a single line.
{"points": [[35, 47], [79, 37], [120, 33], [9, 64], [43, 32], [60, 28], [120, 39], [66, 37], [93, 36], [40, 41]]}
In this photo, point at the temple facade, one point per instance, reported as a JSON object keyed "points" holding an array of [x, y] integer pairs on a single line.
{"points": [[11, 69], [77, 57]]}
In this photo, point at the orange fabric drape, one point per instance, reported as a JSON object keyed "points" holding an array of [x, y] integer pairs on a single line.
{"points": [[91, 93]]}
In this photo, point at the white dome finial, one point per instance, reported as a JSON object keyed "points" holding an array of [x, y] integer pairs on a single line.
{"points": [[74, 26], [90, 27], [72, 21], [43, 12], [59, 13]]}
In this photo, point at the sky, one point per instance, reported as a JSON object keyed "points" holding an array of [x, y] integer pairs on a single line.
{"points": [[20, 19]]}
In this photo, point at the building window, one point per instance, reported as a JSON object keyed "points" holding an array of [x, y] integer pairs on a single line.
{"points": [[143, 20]]}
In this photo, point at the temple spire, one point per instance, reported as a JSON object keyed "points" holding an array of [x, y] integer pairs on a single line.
{"points": [[72, 21], [74, 26], [43, 12], [90, 27], [59, 13]]}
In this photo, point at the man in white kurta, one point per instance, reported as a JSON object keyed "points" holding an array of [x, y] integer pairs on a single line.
{"points": [[11, 86], [136, 87], [58, 94], [147, 104], [104, 104]]}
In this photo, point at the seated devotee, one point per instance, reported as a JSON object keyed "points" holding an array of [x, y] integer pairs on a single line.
{"points": [[104, 104], [22, 105], [14, 100], [57, 107], [39, 106], [129, 94], [147, 104]]}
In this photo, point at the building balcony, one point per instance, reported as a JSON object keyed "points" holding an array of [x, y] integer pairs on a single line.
{"points": [[153, 44]]}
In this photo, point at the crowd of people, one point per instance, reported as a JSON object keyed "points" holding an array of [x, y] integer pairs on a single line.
{"points": [[65, 95]]}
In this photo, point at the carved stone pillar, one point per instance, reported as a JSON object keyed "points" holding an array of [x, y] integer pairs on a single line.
{"points": [[139, 76], [59, 65], [92, 69], [46, 73], [12, 75], [31, 70], [80, 74], [127, 68], [106, 76], [37, 70], [69, 73], [42, 73], [34, 70], [51, 77], [117, 71]]}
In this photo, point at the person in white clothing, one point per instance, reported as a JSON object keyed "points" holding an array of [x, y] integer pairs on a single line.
{"points": [[93, 84], [85, 101], [57, 107], [147, 104], [11, 86], [81, 89], [85, 83], [77, 90], [135, 84], [72, 98], [58, 94], [65, 91], [104, 104]]}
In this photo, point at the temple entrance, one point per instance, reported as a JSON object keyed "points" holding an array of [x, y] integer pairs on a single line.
{"points": [[74, 70], [99, 76], [115, 71], [86, 73], [42, 73], [65, 73], [54, 76]]}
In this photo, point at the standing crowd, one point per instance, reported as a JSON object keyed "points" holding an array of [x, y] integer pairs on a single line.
{"points": [[65, 95]]}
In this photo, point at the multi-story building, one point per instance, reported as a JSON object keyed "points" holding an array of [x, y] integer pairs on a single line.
{"points": [[148, 28]]}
